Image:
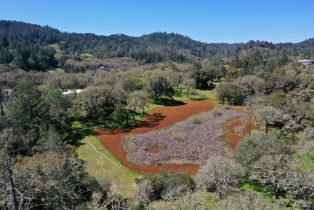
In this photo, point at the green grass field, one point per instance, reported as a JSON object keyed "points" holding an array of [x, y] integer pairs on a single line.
{"points": [[102, 165]]}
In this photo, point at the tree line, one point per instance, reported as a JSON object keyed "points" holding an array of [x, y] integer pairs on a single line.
{"points": [[34, 47]]}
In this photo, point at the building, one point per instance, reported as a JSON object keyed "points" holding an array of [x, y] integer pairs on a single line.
{"points": [[306, 62]]}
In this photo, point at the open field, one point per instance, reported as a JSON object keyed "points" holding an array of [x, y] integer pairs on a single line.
{"points": [[102, 165], [159, 117], [191, 141]]}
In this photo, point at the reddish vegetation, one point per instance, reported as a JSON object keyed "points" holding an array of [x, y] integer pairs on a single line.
{"points": [[159, 117]]}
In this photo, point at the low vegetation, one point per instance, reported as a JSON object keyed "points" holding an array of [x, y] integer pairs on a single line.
{"points": [[106, 169], [176, 144]]}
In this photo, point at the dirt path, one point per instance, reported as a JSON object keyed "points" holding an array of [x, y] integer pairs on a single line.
{"points": [[158, 118]]}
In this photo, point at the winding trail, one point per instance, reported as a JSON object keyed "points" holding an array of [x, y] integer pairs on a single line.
{"points": [[159, 118]]}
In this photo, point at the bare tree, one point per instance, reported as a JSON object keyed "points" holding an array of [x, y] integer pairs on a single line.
{"points": [[308, 133], [249, 83], [1, 102], [56, 180], [110, 201], [220, 175], [253, 147], [144, 190], [11, 193], [189, 83], [267, 115], [292, 126], [138, 99], [188, 201], [271, 171], [301, 186], [244, 200]]}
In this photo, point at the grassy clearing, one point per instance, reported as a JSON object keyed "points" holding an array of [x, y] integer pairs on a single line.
{"points": [[258, 190], [182, 97], [305, 161], [101, 164], [209, 94], [211, 200]]}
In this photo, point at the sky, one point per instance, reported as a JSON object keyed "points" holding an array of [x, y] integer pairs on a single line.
{"points": [[209, 21]]}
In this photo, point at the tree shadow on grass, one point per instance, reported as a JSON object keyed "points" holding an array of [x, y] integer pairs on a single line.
{"points": [[150, 120], [168, 102], [256, 187], [78, 132]]}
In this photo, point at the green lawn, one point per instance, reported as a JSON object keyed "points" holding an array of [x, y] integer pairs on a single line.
{"points": [[101, 164], [209, 94]]}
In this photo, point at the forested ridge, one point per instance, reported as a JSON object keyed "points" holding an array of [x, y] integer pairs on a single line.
{"points": [[29, 46]]}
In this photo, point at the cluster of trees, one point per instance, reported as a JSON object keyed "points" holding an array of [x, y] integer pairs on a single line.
{"points": [[280, 98], [263, 161], [35, 57], [35, 47], [35, 125], [38, 168]]}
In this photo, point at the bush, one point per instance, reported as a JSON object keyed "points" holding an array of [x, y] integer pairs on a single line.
{"points": [[252, 147], [196, 120], [188, 201], [220, 175], [163, 184], [217, 112], [244, 200], [230, 93]]}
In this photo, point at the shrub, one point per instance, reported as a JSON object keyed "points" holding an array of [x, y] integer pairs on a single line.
{"points": [[217, 112], [230, 93], [220, 175], [252, 147], [244, 200], [177, 136], [195, 200], [161, 185], [196, 120]]}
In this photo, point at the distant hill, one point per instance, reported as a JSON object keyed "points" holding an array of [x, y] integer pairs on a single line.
{"points": [[30, 46]]}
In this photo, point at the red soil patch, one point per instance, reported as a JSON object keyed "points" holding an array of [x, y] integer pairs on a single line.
{"points": [[234, 137], [158, 118], [154, 150]]}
